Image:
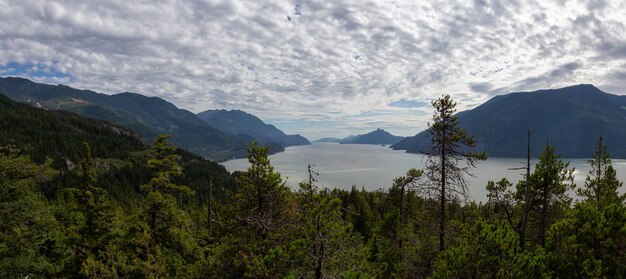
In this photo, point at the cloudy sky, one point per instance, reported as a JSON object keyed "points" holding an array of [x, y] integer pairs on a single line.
{"points": [[340, 67]]}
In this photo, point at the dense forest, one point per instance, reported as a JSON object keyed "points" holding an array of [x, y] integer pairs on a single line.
{"points": [[85, 198]]}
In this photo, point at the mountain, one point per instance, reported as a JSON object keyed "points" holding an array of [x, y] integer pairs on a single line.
{"points": [[349, 139], [148, 116], [378, 136], [570, 118], [242, 123], [59, 135], [329, 140]]}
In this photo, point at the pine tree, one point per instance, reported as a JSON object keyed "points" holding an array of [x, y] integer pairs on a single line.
{"points": [[165, 246], [32, 243], [331, 246], [262, 210], [552, 178], [450, 144], [522, 200], [164, 165], [601, 184]]}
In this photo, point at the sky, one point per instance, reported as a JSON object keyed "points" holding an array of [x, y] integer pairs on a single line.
{"points": [[337, 68]]}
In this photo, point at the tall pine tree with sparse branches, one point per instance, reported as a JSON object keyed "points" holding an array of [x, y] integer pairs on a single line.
{"points": [[450, 145]]}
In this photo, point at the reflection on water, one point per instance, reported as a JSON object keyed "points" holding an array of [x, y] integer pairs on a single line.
{"points": [[373, 167]]}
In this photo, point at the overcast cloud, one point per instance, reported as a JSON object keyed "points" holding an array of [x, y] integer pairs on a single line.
{"points": [[341, 67]]}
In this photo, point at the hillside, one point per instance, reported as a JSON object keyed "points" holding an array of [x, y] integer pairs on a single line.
{"points": [[349, 139], [238, 122], [148, 116], [569, 118], [378, 136], [59, 134]]}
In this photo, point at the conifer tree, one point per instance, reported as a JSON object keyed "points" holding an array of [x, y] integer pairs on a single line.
{"points": [[31, 240], [165, 246], [601, 184], [552, 178], [332, 248], [450, 144], [261, 199], [520, 201]]}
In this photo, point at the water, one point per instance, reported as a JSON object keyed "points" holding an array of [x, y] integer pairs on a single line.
{"points": [[374, 167]]}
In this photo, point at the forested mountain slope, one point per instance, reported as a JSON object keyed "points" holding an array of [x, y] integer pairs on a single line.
{"points": [[147, 116], [570, 118]]}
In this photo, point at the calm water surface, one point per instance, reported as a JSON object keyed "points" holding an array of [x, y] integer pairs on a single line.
{"points": [[374, 167]]}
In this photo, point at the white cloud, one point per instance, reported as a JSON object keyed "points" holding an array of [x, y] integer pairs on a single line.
{"points": [[336, 62]]}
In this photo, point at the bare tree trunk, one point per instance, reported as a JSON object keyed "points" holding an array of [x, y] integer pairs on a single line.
{"points": [[442, 217], [526, 209], [544, 213]]}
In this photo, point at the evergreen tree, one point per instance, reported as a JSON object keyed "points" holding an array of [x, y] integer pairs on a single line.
{"points": [[486, 251], [262, 212], [601, 184], [552, 179], [31, 240], [165, 247], [331, 246], [450, 144], [590, 242]]}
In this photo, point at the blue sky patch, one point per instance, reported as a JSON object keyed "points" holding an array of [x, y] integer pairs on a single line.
{"points": [[34, 71], [408, 104]]}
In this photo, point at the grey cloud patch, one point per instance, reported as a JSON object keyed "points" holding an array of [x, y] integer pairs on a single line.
{"points": [[559, 74], [347, 56], [480, 87]]}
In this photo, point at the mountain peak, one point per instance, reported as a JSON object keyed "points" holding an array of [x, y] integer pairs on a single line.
{"points": [[572, 118], [241, 122], [378, 136]]}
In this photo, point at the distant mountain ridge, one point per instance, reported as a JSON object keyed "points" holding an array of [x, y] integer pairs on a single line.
{"points": [[242, 123], [378, 136], [570, 118], [329, 140], [147, 116]]}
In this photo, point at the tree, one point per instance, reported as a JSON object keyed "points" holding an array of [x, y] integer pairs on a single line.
{"points": [[522, 199], [164, 165], [590, 242], [404, 183], [262, 210], [331, 246], [92, 206], [166, 245], [450, 144], [552, 180], [31, 240], [601, 184], [487, 251]]}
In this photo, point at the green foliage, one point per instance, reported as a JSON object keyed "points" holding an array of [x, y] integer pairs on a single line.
{"points": [[487, 251], [450, 144], [262, 213], [132, 214], [31, 241], [329, 245], [590, 242], [601, 184], [59, 135]]}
